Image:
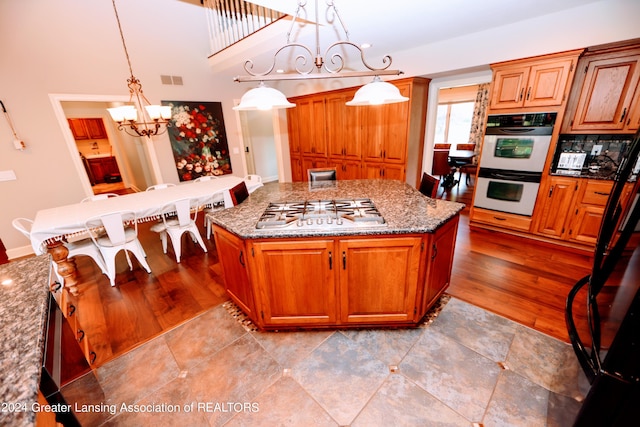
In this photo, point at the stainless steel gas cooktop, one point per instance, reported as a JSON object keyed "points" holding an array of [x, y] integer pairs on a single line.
{"points": [[321, 214]]}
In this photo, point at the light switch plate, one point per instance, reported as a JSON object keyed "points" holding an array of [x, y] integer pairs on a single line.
{"points": [[9, 175]]}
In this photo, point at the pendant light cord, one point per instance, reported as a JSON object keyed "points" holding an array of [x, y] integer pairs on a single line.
{"points": [[126, 52]]}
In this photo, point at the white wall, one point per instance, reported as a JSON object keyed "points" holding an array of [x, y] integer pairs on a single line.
{"points": [[73, 47]]}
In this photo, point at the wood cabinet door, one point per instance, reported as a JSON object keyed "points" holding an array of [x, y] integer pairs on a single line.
{"points": [[97, 169], [633, 121], [606, 93], [296, 282], [294, 135], [234, 261], [378, 279], [393, 171], [439, 258], [296, 169], [350, 170], [78, 129], [547, 83], [95, 128], [507, 89], [311, 126], [557, 204], [372, 122], [585, 226], [395, 129], [336, 124]]}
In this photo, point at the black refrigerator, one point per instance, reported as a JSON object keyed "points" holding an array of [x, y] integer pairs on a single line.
{"points": [[613, 372]]}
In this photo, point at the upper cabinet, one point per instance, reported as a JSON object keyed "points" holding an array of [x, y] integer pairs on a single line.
{"points": [[605, 95], [87, 128], [533, 82]]}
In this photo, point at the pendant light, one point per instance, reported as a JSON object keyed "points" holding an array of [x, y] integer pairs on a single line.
{"points": [[377, 93], [327, 65], [263, 98]]}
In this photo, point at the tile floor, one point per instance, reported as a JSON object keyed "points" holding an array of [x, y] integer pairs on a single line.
{"points": [[468, 366]]}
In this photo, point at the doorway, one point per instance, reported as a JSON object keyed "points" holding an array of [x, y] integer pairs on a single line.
{"points": [[259, 144], [133, 162]]}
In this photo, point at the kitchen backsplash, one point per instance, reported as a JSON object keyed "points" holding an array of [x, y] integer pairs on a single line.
{"points": [[593, 156]]}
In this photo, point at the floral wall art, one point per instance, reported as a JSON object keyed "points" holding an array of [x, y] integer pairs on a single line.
{"points": [[198, 139]]}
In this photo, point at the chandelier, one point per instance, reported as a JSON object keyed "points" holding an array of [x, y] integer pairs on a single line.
{"points": [[328, 65], [153, 120]]}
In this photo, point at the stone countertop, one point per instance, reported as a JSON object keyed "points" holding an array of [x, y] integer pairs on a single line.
{"points": [[404, 208], [23, 317]]}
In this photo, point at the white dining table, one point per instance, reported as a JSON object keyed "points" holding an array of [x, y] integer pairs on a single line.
{"points": [[66, 222]]}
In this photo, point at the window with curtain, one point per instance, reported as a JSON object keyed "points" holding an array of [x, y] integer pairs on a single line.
{"points": [[453, 122]]}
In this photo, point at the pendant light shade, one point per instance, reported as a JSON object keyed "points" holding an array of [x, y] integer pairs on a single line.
{"points": [[377, 93], [263, 98]]}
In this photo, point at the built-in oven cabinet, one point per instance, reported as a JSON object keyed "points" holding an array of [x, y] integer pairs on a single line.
{"points": [[605, 97], [532, 82]]}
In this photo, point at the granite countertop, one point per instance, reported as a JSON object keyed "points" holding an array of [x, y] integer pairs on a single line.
{"points": [[404, 208], [23, 317]]}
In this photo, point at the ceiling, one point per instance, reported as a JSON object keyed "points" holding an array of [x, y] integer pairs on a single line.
{"points": [[411, 23]]}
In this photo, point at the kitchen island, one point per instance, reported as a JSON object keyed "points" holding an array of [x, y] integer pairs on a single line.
{"points": [[340, 271]]}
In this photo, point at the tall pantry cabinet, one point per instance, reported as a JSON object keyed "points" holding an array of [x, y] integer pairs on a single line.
{"points": [[379, 142]]}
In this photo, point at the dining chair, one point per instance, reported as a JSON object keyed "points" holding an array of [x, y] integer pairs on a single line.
{"points": [[468, 169], [429, 185], [98, 197], [441, 146], [466, 147], [84, 247], [205, 178], [321, 174], [115, 232], [239, 193], [215, 203], [178, 217], [159, 186]]}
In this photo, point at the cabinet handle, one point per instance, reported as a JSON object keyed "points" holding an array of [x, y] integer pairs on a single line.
{"points": [[624, 113], [528, 92], [499, 219], [384, 154], [80, 335], [72, 309], [551, 190], [521, 93], [435, 252], [330, 261], [92, 357], [601, 193], [241, 258], [344, 260], [56, 286]]}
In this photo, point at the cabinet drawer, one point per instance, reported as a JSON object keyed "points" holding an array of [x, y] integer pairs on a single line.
{"points": [[501, 219], [597, 192]]}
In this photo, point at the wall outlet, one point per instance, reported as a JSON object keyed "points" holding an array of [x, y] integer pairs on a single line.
{"points": [[596, 150]]}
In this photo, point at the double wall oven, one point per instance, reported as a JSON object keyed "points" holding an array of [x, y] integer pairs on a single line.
{"points": [[512, 161]]}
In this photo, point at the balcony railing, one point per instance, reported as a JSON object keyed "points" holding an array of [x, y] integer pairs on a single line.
{"points": [[232, 20]]}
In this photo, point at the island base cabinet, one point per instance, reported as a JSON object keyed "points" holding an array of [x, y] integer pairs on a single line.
{"points": [[232, 255], [295, 282], [339, 281], [439, 261], [379, 279]]}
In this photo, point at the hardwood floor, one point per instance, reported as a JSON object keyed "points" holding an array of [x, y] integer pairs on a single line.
{"points": [[513, 277]]}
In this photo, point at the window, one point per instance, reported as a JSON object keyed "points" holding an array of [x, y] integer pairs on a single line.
{"points": [[453, 123]]}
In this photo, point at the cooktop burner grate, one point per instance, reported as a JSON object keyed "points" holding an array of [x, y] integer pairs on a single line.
{"points": [[320, 214]]}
